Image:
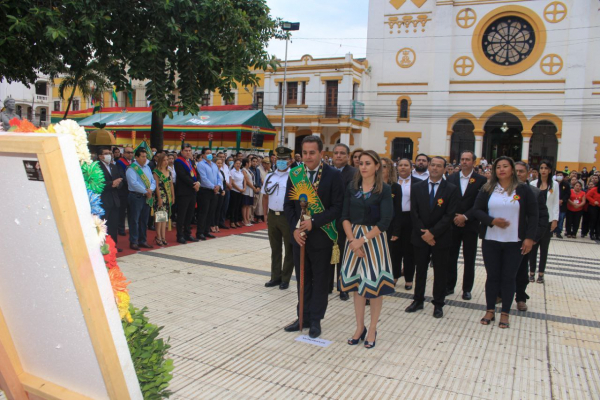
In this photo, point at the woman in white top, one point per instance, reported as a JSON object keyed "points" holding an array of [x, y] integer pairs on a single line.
{"points": [[248, 199], [237, 193], [508, 212], [551, 190]]}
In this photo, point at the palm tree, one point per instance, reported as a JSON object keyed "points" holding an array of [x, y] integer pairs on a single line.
{"points": [[90, 81]]}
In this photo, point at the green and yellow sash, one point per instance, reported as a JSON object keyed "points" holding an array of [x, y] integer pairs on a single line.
{"points": [[303, 188], [145, 179]]}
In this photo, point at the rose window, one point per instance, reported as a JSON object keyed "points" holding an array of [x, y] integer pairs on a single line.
{"points": [[508, 41]]}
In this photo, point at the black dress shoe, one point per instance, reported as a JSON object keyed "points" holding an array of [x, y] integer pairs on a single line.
{"points": [[210, 235], [344, 296], [200, 237], [223, 227], [191, 239], [295, 326], [315, 329], [438, 312], [119, 250], [467, 296], [272, 283], [134, 247], [181, 240], [284, 285], [414, 306], [449, 292], [145, 245]]}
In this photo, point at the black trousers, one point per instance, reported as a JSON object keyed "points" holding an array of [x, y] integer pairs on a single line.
{"points": [[111, 216], [123, 212], [336, 269], [573, 221], [405, 250], [215, 217], [317, 267], [185, 212], [206, 206], [235, 206], [543, 246], [594, 220], [468, 240], [440, 258], [522, 281], [502, 261], [585, 222]]}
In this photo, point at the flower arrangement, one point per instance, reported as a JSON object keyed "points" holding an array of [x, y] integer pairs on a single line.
{"points": [[440, 202], [95, 203], [93, 176]]}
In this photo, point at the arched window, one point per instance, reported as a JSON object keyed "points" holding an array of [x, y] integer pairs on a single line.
{"points": [[402, 148], [403, 104], [462, 139], [543, 144]]}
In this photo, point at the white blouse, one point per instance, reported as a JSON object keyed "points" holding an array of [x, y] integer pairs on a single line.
{"points": [[552, 200], [504, 205], [238, 178]]}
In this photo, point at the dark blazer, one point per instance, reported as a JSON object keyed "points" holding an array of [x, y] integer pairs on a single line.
{"points": [[413, 182], [110, 195], [439, 220], [544, 216], [123, 189], [331, 193], [565, 195], [348, 175], [467, 200], [184, 186], [394, 228], [528, 212]]}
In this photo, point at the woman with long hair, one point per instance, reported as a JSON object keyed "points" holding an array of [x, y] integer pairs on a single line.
{"points": [[508, 212], [390, 177], [165, 195], [575, 208], [366, 268], [355, 157], [551, 191], [238, 186], [248, 199]]}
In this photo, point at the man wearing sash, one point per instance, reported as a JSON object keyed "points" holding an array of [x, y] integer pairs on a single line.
{"points": [[123, 163], [185, 191], [141, 185], [317, 233]]}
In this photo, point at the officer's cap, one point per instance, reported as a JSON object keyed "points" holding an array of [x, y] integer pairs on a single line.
{"points": [[283, 152]]}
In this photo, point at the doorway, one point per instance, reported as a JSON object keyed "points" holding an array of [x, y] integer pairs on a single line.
{"points": [[503, 137]]}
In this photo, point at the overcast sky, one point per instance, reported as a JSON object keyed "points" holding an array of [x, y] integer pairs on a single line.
{"points": [[328, 28]]}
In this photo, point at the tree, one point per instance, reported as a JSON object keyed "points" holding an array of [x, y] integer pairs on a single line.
{"points": [[90, 82]]}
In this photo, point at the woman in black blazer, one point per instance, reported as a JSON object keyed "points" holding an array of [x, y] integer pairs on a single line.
{"points": [[508, 212], [393, 232]]}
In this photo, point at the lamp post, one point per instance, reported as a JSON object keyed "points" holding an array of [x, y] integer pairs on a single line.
{"points": [[286, 26]]}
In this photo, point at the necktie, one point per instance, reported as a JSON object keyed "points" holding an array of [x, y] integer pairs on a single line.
{"points": [[432, 194], [312, 176]]}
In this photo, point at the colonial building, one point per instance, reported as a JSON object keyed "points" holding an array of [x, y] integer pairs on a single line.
{"points": [[32, 102]]}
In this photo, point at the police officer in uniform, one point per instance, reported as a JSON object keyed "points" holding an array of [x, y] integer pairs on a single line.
{"points": [[273, 191]]}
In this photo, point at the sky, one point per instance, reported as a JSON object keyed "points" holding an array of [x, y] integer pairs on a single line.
{"points": [[328, 28]]}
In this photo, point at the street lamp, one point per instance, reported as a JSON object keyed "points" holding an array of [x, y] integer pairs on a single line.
{"points": [[286, 26]]}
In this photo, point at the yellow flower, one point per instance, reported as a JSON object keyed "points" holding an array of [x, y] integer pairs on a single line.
{"points": [[123, 300]]}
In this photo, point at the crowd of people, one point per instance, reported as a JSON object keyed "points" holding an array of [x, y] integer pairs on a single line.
{"points": [[387, 219]]}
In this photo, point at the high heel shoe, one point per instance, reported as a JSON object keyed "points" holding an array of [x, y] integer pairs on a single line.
{"points": [[158, 241], [540, 278], [164, 242], [487, 321], [504, 325], [354, 342], [370, 345]]}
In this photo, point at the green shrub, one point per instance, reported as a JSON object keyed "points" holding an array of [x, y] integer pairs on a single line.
{"points": [[148, 353]]}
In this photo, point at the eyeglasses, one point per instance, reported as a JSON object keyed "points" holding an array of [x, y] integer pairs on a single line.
{"points": [[129, 152]]}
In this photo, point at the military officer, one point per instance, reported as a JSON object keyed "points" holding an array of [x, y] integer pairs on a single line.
{"points": [[273, 191]]}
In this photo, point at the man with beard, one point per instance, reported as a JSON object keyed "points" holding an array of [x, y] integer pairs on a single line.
{"points": [[421, 167]]}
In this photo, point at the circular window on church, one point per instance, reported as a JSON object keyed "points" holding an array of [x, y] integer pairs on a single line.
{"points": [[508, 40]]}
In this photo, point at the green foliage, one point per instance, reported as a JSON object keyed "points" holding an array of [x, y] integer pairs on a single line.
{"points": [[148, 353]]}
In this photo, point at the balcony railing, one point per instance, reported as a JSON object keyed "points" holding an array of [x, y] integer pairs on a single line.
{"points": [[40, 98], [355, 110]]}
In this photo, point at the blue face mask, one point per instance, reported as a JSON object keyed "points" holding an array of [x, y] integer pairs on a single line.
{"points": [[230, 163], [282, 165], [209, 157]]}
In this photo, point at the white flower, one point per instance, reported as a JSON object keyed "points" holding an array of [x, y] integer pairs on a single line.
{"points": [[72, 128], [100, 226]]}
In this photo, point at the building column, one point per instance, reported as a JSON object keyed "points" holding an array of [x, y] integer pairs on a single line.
{"points": [[345, 139], [448, 146], [525, 148], [478, 143]]}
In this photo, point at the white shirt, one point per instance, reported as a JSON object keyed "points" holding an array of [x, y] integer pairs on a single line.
{"points": [[173, 173], [435, 187], [238, 178], [464, 182], [423, 176], [484, 163], [552, 200], [405, 185], [277, 182], [226, 172], [504, 205], [107, 167]]}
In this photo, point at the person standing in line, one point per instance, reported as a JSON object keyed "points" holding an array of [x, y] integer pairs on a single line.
{"points": [[406, 256], [551, 192], [123, 163], [393, 233], [165, 196], [216, 216], [564, 194], [522, 280], [171, 158], [509, 213], [575, 209], [210, 187], [593, 199], [111, 203], [238, 187], [465, 226], [185, 190], [314, 232], [248, 199], [273, 191], [264, 168], [367, 268], [355, 157], [141, 185], [116, 153], [421, 167], [341, 156], [433, 207], [227, 187]]}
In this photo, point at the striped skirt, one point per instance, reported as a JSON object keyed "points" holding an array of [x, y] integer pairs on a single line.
{"points": [[371, 275]]}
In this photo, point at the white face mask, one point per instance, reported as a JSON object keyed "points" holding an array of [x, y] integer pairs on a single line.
{"points": [[559, 178], [107, 158]]}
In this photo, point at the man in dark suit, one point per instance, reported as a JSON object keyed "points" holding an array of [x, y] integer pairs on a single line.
{"points": [[433, 205], [341, 157], [465, 227], [328, 183], [186, 188], [113, 181], [123, 163]]}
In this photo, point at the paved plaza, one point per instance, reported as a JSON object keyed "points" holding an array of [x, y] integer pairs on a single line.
{"points": [[227, 335]]}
